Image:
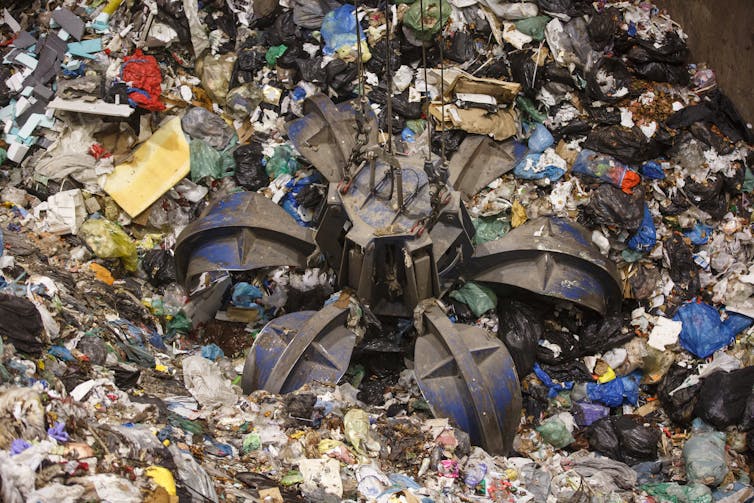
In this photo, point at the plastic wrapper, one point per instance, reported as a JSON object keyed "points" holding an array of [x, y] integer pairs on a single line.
{"points": [[109, 240]]}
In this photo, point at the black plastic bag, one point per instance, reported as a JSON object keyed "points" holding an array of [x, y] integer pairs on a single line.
{"points": [[284, 31], [673, 51], [604, 116], [608, 80], [573, 370], [159, 267], [311, 70], [637, 442], [624, 438], [663, 72], [602, 28], [603, 439], [680, 405], [376, 63], [248, 63], [723, 397], [627, 145], [524, 71], [21, 324], [603, 334], [340, 75], [520, 328], [708, 195], [462, 47], [553, 72], [571, 8], [608, 205], [452, 138], [683, 270], [709, 137], [747, 421], [576, 127], [250, 174], [717, 109], [568, 344]]}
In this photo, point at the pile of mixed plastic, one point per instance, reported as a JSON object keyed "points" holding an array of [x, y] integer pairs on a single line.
{"points": [[108, 391]]}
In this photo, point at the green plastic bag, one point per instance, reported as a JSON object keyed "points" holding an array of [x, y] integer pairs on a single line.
{"points": [[489, 229], [555, 432], [180, 323], [533, 26], [281, 162], [673, 492], [3, 155], [431, 18], [748, 184], [107, 240], [479, 298], [206, 162], [530, 108], [273, 53]]}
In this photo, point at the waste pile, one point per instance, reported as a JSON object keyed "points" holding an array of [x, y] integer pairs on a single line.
{"points": [[394, 251]]}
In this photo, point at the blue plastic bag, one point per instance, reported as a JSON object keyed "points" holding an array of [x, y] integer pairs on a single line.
{"points": [[289, 202], [244, 294], [552, 385], [703, 333], [652, 170], [339, 29], [700, 234], [606, 169], [212, 352], [525, 170], [614, 393], [540, 139], [646, 237]]}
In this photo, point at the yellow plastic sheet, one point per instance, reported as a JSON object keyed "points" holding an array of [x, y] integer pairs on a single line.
{"points": [[157, 165]]}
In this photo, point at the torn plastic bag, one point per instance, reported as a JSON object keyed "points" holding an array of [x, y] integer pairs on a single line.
{"points": [[611, 206], [201, 124], [700, 234], [608, 80], [569, 43], [703, 332], [723, 397], [645, 238], [627, 145], [715, 108], [520, 327], [707, 195], [678, 403], [553, 387], [704, 455], [606, 169]]}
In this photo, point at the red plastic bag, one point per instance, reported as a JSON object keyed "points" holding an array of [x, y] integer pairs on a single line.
{"points": [[143, 76]]}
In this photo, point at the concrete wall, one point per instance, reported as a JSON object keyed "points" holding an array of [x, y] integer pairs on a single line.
{"points": [[721, 34]]}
